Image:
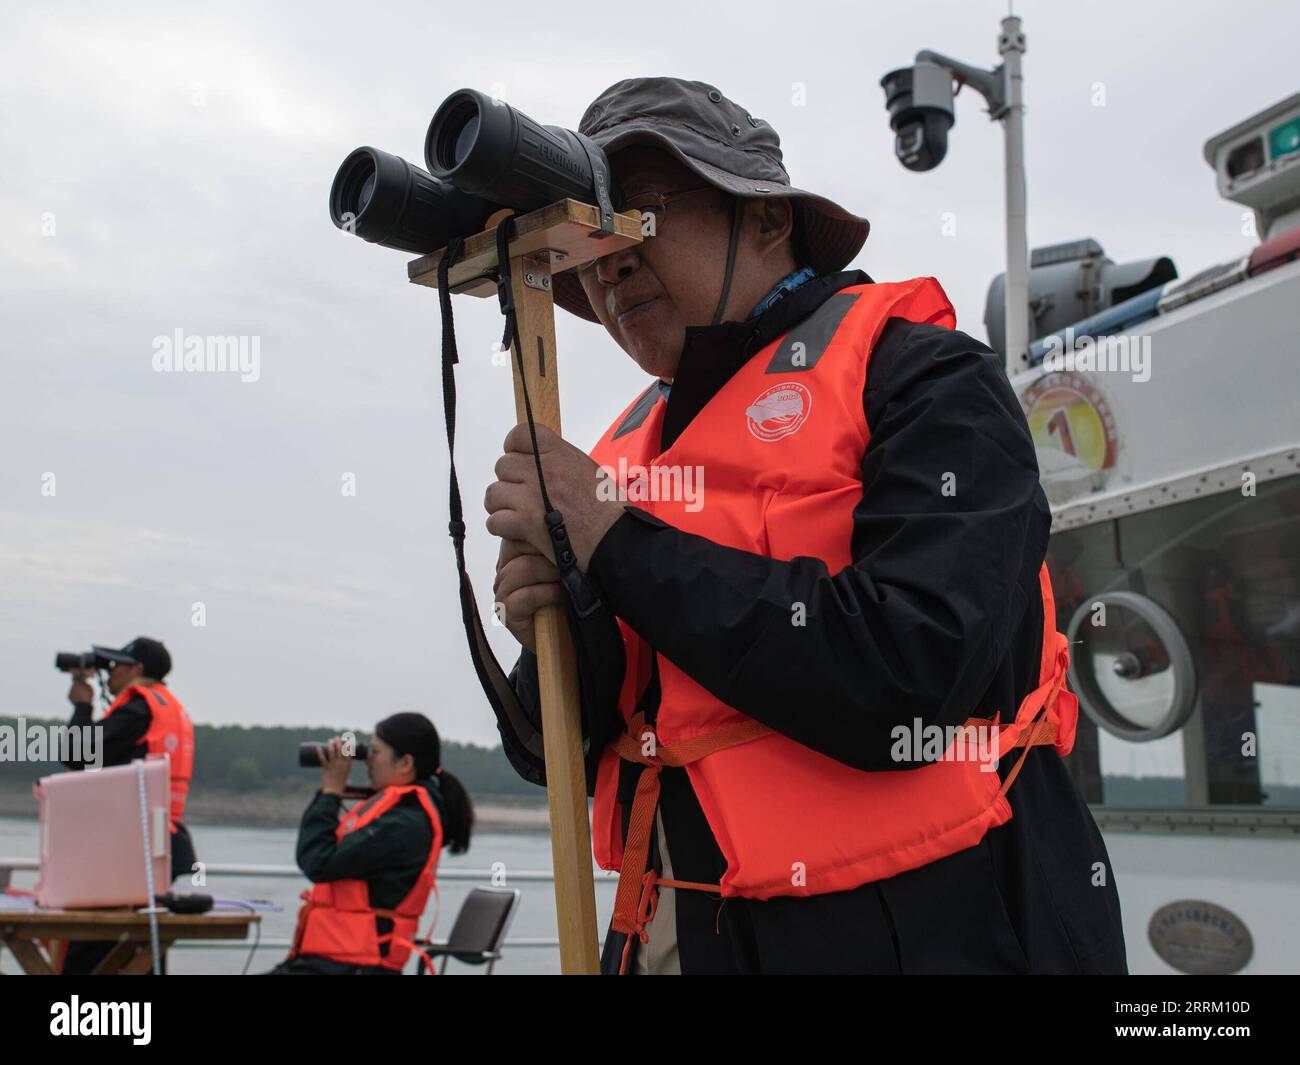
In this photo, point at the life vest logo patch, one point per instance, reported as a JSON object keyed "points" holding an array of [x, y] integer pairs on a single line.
{"points": [[779, 411]]}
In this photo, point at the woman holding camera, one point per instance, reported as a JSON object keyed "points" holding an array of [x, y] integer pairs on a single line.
{"points": [[373, 866]]}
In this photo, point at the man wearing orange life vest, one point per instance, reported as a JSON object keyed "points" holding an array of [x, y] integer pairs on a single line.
{"points": [[822, 544], [144, 720]]}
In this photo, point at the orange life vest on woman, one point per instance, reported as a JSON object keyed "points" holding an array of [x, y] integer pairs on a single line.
{"points": [[171, 733], [782, 444], [339, 923]]}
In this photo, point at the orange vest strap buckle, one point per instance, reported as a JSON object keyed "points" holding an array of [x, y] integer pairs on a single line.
{"points": [[634, 910]]}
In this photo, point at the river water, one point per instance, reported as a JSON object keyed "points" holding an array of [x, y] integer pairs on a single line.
{"points": [[506, 851]]}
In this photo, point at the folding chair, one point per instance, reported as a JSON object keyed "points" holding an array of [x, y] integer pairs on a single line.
{"points": [[480, 929]]}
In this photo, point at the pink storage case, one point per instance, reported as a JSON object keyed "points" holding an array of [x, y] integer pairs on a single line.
{"points": [[92, 837]]}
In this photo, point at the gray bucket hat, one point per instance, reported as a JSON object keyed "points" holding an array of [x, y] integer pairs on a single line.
{"points": [[725, 145]]}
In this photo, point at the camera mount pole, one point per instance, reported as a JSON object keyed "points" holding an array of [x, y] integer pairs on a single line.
{"points": [[1003, 88], [544, 242], [1011, 46]]}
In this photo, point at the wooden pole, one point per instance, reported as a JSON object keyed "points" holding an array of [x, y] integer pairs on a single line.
{"points": [[553, 238], [557, 666]]}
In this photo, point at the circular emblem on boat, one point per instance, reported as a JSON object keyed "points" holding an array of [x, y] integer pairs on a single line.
{"points": [[779, 411], [171, 742], [1075, 435], [1200, 938]]}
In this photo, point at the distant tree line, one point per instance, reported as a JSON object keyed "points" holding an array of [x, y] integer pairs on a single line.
{"points": [[241, 758]]}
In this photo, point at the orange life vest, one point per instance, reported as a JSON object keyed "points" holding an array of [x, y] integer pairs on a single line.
{"points": [[782, 445], [171, 733], [339, 923]]}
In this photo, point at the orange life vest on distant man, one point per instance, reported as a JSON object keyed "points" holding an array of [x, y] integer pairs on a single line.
{"points": [[171, 733], [782, 443], [339, 923]]}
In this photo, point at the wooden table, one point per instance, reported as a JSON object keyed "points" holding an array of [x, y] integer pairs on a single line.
{"points": [[30, 935]]}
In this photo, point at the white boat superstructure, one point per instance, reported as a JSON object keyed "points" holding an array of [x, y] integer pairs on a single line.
{"points": [[1167, 426]]}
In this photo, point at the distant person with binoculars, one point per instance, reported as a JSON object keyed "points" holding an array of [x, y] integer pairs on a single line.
{"points": [[145, 719], [374, 866], [859, 574]]}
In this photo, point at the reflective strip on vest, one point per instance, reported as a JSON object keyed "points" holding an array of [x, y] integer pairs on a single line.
{"points": [[782, 443]]}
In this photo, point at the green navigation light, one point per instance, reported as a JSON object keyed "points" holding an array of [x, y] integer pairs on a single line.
{"points": [[1284, 139]]}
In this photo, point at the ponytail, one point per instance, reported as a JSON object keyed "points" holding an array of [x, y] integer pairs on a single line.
{"points": [[457, 813]]}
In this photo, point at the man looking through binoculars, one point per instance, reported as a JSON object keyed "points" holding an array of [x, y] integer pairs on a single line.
{"points": [[867, 562], [144, 720]]}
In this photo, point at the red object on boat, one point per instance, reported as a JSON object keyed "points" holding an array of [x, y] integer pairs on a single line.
{"points": [[1278, 251]]}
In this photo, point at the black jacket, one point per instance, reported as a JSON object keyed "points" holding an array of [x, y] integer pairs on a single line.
{"points": [[938, 618], [122, 732]]}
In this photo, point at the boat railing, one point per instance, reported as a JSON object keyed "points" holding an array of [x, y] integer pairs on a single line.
{"points": [[9, 866]]}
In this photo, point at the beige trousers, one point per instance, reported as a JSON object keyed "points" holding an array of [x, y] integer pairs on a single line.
{"points": [[659, 956]]}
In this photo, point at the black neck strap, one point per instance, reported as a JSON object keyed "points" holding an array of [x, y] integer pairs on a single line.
{"points": [[496, 685], [732, 241], [584, 604]]}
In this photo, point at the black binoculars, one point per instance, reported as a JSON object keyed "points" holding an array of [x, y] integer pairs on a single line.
{"points": [[482, 155], [95, 658], [309, 754]]}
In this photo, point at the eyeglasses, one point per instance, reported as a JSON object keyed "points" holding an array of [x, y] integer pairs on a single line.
{"points": [[653, 208]]}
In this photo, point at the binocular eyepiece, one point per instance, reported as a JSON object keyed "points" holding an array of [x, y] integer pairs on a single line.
{"points": [[482, 155], [309, 754]]}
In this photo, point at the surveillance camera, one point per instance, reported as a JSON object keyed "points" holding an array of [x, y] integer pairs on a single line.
{"points": [[922, 145], [919, 101]]}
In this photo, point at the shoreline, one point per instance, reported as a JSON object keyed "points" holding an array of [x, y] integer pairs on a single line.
{"points": [[257, 809]]}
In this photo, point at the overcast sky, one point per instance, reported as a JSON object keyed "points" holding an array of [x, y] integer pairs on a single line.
{"points": [[165, 169]]}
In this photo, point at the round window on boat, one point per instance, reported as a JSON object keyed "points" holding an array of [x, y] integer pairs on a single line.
{"points": [[1131, 667]]}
